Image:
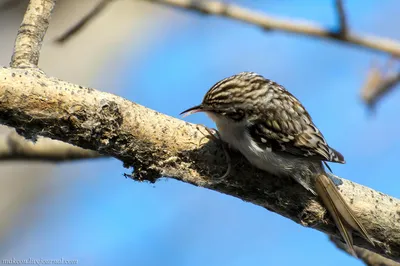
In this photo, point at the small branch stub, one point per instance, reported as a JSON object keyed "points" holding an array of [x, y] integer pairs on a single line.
{"points": [[343, 26], [379, 82], [31, 33]]}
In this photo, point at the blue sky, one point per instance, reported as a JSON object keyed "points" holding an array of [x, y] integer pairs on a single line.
{"points": [[101, 218]]}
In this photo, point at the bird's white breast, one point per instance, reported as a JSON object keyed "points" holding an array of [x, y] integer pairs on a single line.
{"points": [[236, 134]]}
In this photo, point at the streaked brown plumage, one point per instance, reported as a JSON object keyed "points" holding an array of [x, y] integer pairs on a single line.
{"points": [[272, 129]]}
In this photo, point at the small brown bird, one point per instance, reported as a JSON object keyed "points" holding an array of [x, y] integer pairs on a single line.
{"points": [[272, 129]]}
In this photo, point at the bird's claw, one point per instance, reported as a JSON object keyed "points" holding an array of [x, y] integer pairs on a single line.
{"points": [[214, 135]]}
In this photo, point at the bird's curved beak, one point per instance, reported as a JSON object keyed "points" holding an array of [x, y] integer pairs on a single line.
{"points": [[195, 109]]}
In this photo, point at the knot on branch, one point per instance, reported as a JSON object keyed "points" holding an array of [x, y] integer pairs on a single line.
{"points": [[109, 120]]}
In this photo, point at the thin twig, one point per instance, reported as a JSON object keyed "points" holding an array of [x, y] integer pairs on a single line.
{"points": [[378, 83], [10, 4], [31, 33], [384, 87], [343, 26], [264, 21], [84, 21]]}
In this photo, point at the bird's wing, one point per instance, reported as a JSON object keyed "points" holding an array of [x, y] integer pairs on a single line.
{"points": [[287, 127]]}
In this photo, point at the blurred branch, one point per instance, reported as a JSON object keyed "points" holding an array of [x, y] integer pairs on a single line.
{"points": [[280, 24], [368, 257], [84, 21], [343, 27], [299, 27], [15, 147], [379, 82], [9, 4]]}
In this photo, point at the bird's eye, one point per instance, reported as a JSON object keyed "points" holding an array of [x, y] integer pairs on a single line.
{"points": [[236, 115]]}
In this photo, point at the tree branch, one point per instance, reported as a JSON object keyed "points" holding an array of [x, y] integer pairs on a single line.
{"points": [[278, 24], [378, 84], [84, 21], [343, 27], [306, 28], [26, 55], [10, 4], [159, 145], [264, 21], [31, 33], [14, 147]]}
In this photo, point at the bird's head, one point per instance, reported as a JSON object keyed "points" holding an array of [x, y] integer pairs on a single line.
{"points": [[233, 98]]}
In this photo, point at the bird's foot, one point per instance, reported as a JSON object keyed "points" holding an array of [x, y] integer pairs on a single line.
{"points": [[214, 135]]}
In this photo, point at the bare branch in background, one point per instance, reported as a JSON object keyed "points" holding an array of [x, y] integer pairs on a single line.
{"points": [[14, 147], [84, 21], [277, 24], [343, 26], [379, 82], [9, 4], [368, 257], [302, 27]]}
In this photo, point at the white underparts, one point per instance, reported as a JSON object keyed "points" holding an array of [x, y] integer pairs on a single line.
{"points": [[236, 134]]}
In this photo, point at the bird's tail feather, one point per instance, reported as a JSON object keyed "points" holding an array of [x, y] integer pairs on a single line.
{"points": [[340, 211]]}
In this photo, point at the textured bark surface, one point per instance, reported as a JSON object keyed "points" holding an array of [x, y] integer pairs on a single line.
{"points": [[159, 145], [25, 183]]}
